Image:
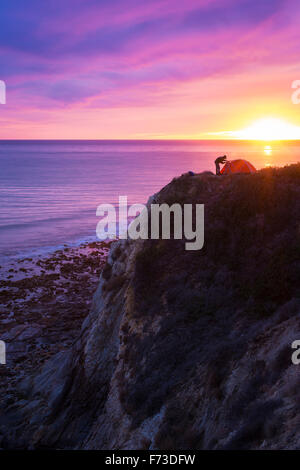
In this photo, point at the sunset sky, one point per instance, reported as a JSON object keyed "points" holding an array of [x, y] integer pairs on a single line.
{"points": [[137, 69]]}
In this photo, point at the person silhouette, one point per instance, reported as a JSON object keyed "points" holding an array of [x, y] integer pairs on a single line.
{"points": [[220, 161]]}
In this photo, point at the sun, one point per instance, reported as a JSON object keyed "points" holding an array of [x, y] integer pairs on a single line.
{"points": [[268, 129]]}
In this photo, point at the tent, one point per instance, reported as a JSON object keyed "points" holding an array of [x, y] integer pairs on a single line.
{"points": [[237, 166]]}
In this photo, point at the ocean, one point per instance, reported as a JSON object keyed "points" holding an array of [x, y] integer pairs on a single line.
{"points": [[49, 190]]}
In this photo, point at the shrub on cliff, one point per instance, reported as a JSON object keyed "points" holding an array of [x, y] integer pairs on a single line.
{"points": [[248, 268]]}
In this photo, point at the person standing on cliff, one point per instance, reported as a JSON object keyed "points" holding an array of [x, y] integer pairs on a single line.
{"points": [[220, 161]]}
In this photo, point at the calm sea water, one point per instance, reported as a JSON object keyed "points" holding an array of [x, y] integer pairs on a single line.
{"points": [[49, 190]]}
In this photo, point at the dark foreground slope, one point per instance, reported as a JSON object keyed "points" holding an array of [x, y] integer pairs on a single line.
{"points": [[184, 349]]}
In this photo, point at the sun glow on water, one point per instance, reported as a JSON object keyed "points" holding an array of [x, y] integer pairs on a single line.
{"points": [[268, 150]]}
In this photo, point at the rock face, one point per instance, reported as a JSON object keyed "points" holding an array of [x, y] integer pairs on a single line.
{"points": [[184, 349]]}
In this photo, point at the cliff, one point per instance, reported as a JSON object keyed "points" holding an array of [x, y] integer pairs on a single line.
{"points": [[184, 349]]}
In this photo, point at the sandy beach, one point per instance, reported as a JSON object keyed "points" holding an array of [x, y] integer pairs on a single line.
{"points": [[43, 302]]}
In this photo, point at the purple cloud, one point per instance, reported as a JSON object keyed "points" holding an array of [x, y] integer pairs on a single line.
{"points": [[59, 53]]}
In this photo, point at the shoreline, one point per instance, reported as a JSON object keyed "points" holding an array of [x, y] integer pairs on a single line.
{"points": [[43, 302], [45, 251]]}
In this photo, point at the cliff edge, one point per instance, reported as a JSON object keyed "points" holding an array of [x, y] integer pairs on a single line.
{"points": [[184, 349]]}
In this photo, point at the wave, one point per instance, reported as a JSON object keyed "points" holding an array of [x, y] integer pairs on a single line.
{"points": [[83, 214]]}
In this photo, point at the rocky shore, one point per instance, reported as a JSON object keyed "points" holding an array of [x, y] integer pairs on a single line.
{"points": [[43, 302]]}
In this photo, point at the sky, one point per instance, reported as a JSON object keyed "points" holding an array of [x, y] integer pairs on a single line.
{"points": [[146, 69]]}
